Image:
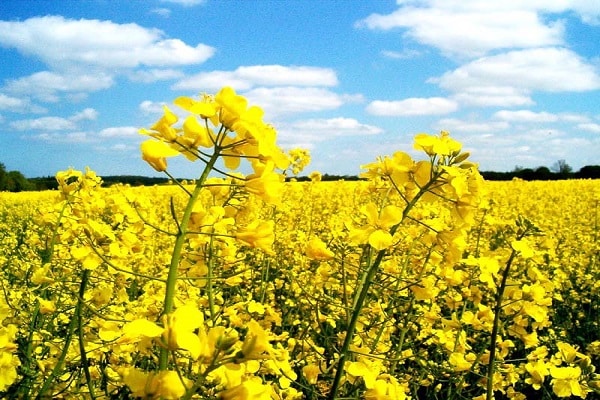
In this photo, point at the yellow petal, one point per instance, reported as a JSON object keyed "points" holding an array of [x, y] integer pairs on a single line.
{"points": [[380, 239], [142, 327]]}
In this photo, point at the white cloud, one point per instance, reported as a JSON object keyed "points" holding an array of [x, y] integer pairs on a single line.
{"points": [[305, 133], [525, 116], [151, 107], [87, 114], [154, 75], [490, 96], [404, 54], [55, 123], [70, 137], [46, 85], [11, 103], [291, 100], [412, 107], [19, 105], [75, 44], [470, 29], [460, 126], [119, 131], [509, 79], [44, 123], [163, 12], [246, 77], [590, 127]]}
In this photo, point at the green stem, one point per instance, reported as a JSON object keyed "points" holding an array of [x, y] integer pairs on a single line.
{"points": [[68, 338], [365, 285], [496, 326], [84, 362], [178, 248]]}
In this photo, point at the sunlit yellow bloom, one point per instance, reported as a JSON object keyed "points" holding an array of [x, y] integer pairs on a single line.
{"points": [[460, 363], [523, 247], [177, 331], [317, 250], [258, 234], [155, 153], [376, 231], [205, 109], [266, 184], [149, 385], [197, 134], [256, 343], [538, 371], [311, 373], [8, 370], [251, 389], [163, 128], [232, 106], [47, 306], [565, 381]]}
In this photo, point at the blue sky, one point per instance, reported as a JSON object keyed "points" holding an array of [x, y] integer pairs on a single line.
{"points": [[517, 82]]}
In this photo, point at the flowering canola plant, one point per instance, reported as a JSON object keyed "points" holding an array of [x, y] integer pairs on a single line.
{"points": [[418, 281]]}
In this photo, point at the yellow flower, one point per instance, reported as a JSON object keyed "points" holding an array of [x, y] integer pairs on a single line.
{"points": [[251, 389], [155, 154], [47, 306], [149, 385], [258, 234], [163, 128], [177, 331], [256, 343], [232, 106], [565, 381], [8, 370], [538, 371], [317, 250], [523, 248], [206, 108], [376, 231], [311, 373]]}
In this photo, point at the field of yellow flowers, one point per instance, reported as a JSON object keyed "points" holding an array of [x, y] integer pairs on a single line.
{"points": [[421, 281]]}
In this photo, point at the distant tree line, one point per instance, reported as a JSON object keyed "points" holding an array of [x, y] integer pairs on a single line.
{"points": [[560, 170], [15, 181]]}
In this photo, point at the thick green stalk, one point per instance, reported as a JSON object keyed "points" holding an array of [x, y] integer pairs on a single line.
{"points": [[178, 248], [68, 338], [495, 327], [366, 282]]}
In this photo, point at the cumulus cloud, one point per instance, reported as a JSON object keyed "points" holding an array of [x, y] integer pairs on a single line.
{"points": [[458, 125], [279, 101], [85, 55], [472, 28], [590, 127], [87, 114], [151, 107], [525, 116], [44, 124], [46, 86], [163, 12], [546, 69], [247, 77], [68, 43], [119, 131], [70, 137], [19, 105], [54, 123], [306, 133], [412, 107], [489, 96]]}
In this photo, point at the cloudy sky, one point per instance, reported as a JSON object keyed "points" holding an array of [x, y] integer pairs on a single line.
{"points": [[517, 81]]}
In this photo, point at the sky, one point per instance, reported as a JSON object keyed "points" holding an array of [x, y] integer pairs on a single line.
{"points": [[516, 81]]}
